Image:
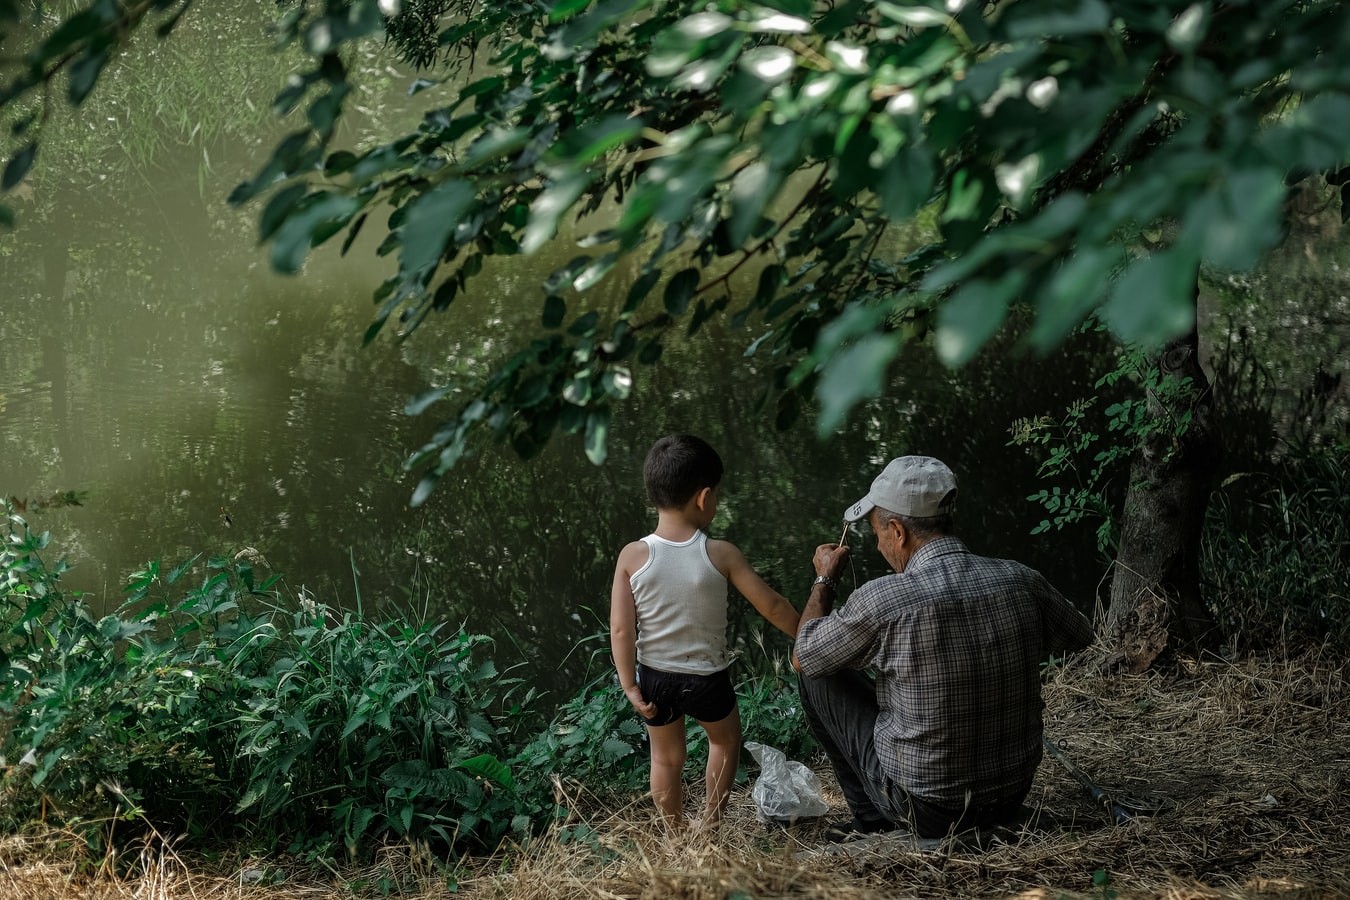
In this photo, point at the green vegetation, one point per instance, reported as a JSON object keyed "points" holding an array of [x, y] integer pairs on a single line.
{"points": [[216, 712], [1071, 155], [230, 710], [1277, 551]]}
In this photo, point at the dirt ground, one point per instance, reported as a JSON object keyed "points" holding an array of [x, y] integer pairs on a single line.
{"points": [[1246, 763]]}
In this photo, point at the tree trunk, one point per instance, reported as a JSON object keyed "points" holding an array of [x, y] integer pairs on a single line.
{"points": [[1155, 592]]}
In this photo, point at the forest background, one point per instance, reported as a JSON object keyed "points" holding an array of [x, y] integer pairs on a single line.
{"points": [[854, 188]]}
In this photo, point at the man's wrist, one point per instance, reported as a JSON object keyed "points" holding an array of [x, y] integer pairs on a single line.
{"points": [[826, 580]]}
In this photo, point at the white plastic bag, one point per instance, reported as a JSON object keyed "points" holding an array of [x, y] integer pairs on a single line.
{"points": [[785, 790]]}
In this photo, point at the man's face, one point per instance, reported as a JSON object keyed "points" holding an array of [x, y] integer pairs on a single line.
{"points": [[894, 544], [885, 538]]}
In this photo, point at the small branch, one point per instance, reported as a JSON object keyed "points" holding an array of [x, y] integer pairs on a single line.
{"points": [[747, 255]]}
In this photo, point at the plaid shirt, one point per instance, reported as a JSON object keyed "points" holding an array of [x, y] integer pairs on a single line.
{"points": [[956, 642]]}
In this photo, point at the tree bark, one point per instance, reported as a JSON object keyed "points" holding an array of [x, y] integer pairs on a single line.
{"points": [[1156, 602]]}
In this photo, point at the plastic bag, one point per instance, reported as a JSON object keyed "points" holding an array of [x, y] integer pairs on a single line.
{"points": [[785, 790]]}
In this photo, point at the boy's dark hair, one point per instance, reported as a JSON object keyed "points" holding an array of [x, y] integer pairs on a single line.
{"points": [[678, 466]]}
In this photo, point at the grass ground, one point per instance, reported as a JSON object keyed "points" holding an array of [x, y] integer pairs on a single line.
{"points": [[1250, 758]]}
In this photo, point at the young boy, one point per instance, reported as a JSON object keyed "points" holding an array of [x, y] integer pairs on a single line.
{"points": [[668, 623]]}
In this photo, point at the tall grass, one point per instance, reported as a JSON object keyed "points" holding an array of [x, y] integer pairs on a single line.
{"points": [[1276, 556]]}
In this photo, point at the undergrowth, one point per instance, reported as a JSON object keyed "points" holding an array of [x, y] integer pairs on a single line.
{"points": [[1276, 556], [221, 709], [218, 707]]}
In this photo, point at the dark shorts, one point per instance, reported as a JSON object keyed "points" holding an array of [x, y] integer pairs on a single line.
{"points": [[708, 698]]}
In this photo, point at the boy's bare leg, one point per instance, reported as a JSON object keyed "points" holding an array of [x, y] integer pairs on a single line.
{"points": [[668, 755], [724, 751]]}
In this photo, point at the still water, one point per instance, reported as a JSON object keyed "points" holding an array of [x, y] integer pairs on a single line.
{"points": [[202, 404]]}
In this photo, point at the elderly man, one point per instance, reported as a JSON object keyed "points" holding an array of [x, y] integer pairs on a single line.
{"points": [[948, 736]]}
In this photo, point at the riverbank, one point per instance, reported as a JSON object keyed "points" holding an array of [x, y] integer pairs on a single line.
{"points": [[1251, 761]]}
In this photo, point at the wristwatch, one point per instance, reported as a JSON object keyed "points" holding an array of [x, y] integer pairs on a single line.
{"points": [[825, 580]]}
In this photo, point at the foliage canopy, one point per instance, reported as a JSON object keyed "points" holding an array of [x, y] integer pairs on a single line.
{"points": [[1081, 157]]}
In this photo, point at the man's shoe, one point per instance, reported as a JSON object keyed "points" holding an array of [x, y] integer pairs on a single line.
{"points": [[856, 828]]}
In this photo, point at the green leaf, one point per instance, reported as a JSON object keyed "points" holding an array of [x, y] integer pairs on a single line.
{"points": [[18, 166], [84, 75], [563, 9], [703, 311], [917, 16], [751, 190], [313, 216], [78, 28], [550, 206], [585, 144], [641, 288], [1038, 20], [6, 216], [973, 315], [857, 373], [965, 196], [595, 272], [1188, 28], [597, 435], [905, 184], [115, 629], [680, 291], [488, 766], [770, 64], [278, 207], [1237, 223], [555, 310], [1072, 292], [614, 749], [1154, 300], [431, 220], [495, 144]]}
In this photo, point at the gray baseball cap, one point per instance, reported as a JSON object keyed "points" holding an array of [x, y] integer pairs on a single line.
{"points": [[918, 486]]}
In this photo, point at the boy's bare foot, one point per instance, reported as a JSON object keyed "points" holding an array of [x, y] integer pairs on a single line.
{"points": [[709, 821]]}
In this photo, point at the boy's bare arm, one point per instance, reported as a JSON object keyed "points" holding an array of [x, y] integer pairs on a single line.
{"points": [[623, 627], [773, 606]]}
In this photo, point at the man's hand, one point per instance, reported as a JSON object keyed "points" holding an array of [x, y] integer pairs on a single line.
{"points": [[829, 561], [645, 709], [830, 558]]}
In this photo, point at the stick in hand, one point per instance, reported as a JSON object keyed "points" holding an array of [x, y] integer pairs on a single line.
{"points": [[844, 537]]}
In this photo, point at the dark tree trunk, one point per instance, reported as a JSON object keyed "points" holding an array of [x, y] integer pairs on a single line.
{"points": [[1156, 603]]}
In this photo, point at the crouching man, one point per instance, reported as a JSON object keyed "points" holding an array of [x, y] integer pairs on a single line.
{"points": [[944, 735]]}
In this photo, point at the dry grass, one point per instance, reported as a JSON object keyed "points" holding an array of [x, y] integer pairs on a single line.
{"points": [[1254, 758]]}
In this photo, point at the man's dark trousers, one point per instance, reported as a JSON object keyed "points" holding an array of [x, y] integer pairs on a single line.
{"points": [[841, 710]]}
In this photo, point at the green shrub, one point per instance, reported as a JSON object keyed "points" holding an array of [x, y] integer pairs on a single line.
{"points": [[597, 739], [217, 711], [1276, 557]]}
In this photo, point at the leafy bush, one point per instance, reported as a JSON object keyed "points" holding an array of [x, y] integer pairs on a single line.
{"points": [[213, 711], [596, 738], [1275, 556], [219, 711]]}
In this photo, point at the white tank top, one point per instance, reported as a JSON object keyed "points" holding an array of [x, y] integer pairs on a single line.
{"points": [[681, 603]]}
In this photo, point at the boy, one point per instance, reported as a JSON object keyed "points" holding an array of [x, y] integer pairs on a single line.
{"points": [[668, 623]]}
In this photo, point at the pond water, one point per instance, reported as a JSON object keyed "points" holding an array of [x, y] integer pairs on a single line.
{"points": [[202, 404]]}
